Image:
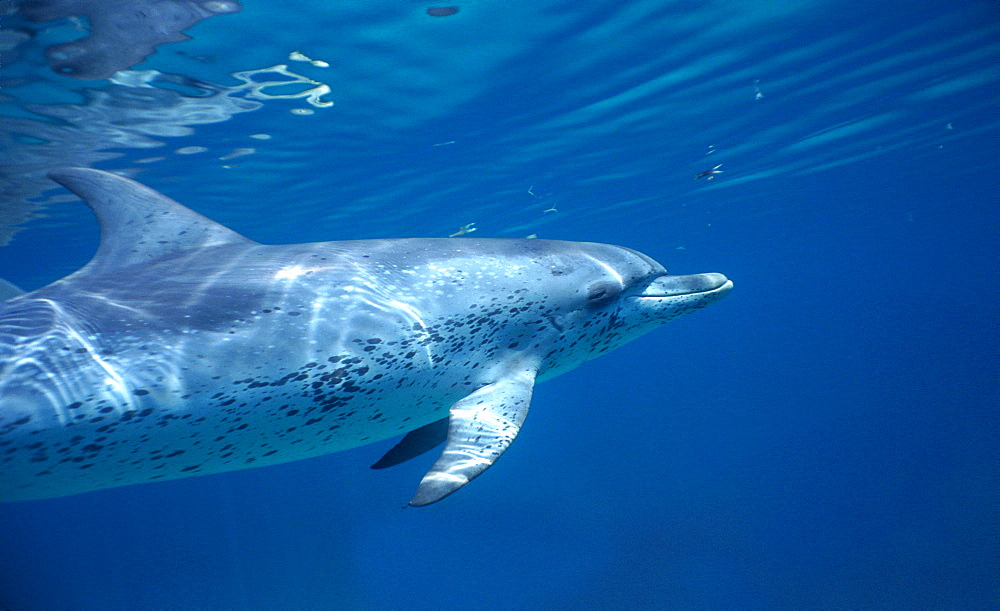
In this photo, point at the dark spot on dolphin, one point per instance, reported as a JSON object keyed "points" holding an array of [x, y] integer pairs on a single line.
{"points": [[140, 392], [21, 421], [442, 11]]}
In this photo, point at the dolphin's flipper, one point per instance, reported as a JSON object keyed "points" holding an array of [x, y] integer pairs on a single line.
{"points": [[139, 225], [416, 442], [480, 427]]}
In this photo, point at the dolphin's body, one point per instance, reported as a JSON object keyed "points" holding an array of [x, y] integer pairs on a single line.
{"points": [[186, 349]]}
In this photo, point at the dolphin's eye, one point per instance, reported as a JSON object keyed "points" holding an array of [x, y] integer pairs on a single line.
{"points": [[601, 294]]}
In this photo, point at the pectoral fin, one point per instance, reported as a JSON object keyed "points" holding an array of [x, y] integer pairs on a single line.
{"points": [[415, 443], [480, 427]]}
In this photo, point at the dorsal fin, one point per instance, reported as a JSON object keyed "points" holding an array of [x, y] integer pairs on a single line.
{"points": [[139, 225], [8, 290]]}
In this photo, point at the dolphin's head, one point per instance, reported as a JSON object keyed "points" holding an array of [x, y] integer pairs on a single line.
{"points": [[604, 296], [555, 303]]}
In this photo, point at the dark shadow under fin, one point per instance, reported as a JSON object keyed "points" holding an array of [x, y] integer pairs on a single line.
{"points": [[416, 442], [139, 225]]}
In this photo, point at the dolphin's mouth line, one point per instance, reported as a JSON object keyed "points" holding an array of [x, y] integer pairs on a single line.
{"points": [[726, 284]]}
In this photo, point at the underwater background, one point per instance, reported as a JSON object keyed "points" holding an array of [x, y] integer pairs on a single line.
{"points": [[826, 436]]}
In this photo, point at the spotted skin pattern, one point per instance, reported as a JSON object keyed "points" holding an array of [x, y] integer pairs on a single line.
{"points": [[185, 349]]}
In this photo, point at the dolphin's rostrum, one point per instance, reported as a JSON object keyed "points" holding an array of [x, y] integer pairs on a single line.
{"points": [[186, 349]]}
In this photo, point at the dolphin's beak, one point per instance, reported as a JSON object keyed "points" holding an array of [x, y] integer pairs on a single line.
{"points": [[695, 284]]}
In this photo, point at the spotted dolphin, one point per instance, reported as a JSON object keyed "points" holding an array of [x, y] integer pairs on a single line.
{"points": [[183, 348]]}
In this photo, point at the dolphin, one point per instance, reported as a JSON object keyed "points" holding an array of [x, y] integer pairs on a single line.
{"points": [[183, 348]]}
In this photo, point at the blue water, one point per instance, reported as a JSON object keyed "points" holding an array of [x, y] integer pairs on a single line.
{"points": [[826, 436]]}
